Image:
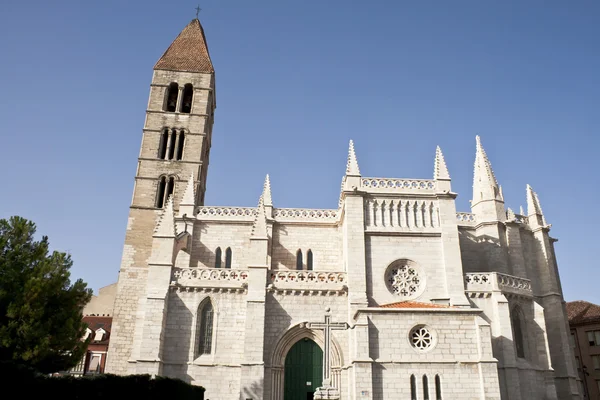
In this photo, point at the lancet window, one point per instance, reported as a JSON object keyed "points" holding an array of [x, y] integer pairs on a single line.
{"points": [[171, 144], [186, 102], [166, 185], [228, 258], [299, 263], [516, 320], [218, 258], [171, 97], [204, 325]]}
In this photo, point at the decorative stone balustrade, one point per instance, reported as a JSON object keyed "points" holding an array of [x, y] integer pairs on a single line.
{"points": [[464, 218], [401, 215], [308, 280], [304, 215], [522, 219], [210, 278], [226, 213], [384, 185], [481, 282]]}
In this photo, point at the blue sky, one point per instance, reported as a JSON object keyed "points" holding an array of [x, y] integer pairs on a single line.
{"points": [[295, 81]]}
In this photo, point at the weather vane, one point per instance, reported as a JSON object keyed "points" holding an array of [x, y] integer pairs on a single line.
{"points": [[198, 9]]}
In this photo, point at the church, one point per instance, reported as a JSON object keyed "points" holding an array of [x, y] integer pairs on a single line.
{"points": [[392, 295]]}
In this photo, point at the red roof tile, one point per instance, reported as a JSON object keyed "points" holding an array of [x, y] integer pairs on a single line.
{"points": [[580, 312], [188, 52], [413, 304]]}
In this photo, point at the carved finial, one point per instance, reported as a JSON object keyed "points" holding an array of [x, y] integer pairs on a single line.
{"points": [[500, 192], [440, 170], [259, 227], [166, 223], [510, 214], [266, 194], [521, 211], [189, 195], [352, 164]]}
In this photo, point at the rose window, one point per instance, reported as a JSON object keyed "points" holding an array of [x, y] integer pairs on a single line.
{"points": [[421, 338], [404, 280]]}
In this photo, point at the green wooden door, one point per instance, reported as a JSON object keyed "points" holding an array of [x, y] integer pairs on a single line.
{"points": [[303, 370]]}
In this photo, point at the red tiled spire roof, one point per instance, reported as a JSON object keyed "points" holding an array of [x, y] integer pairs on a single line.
{"points": [[413, 304], [580, 312], [188, 52]]}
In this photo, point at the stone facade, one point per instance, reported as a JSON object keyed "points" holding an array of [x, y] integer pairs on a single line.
{"points": [[458, 305]]}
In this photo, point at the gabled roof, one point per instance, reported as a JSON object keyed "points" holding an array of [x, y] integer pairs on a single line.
{"points": [[580, 312], [188, 52], [413, 304]]}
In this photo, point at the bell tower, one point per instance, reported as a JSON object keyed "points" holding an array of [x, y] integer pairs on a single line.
{"points": [[175, 146]]}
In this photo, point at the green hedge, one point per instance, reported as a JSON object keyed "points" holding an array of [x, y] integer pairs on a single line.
{"points": [[105, 386]]}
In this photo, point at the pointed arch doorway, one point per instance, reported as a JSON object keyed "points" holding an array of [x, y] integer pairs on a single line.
{"points": [[303, 372]]}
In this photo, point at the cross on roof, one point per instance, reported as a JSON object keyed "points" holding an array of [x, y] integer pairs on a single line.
{"points": [[198, 9]]}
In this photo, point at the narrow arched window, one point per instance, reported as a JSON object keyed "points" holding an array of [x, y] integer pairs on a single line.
{"points": [[228, 258], [171, 142], [218, 258], [162, 146], [180, 144], [413, 388], [171, 99], [299, 260], [170, 188], [309, 260], [188, 94], [518, 332], [438, 388], [425, 388], [205, 328], [160, 193]]}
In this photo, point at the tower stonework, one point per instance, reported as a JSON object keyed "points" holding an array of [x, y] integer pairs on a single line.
{"points": [[437, 303], [175, 145]]}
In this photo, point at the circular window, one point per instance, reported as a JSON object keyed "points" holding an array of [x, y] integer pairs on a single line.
{"points": [[421, 338], [405, 279]]}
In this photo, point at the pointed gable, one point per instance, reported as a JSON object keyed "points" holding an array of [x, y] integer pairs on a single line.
{"points": [[188, 52]]}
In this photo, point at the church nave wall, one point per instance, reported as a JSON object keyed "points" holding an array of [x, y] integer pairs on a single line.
{"points": [[208, 236], [182, 328]]}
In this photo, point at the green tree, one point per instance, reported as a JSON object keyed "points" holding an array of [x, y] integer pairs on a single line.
{"points": [[40, 310]]}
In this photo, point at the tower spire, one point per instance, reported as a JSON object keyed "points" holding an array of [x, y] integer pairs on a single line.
{"points": [[266, 194], [165, 227], [189, 194], [352, 164], [188, 52], [487, 200], [259, 227], [440, 170], [485, 185], [534, 209]]}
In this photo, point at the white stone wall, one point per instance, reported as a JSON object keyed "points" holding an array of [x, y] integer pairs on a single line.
{"points": [[210, 235], [462, 356], [324, 241], [381, 251]]}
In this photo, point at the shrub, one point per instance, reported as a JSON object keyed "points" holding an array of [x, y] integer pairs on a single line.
{"points": [[32, 384]]}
